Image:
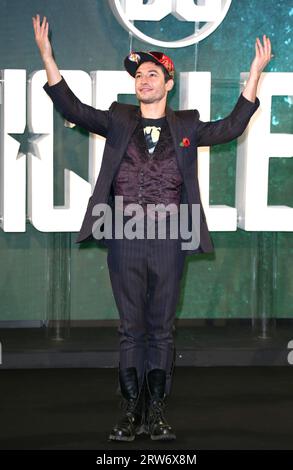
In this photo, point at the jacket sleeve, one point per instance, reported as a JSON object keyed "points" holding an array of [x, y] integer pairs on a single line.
{"points": [[227, 129], [85, 116]]}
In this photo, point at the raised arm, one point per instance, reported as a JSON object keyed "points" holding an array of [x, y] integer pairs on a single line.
{"points": [[231, 127], [262, 57], [45, 48], [65, 101]]}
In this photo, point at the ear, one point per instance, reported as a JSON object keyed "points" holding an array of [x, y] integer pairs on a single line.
{"points": [[169, 85]]}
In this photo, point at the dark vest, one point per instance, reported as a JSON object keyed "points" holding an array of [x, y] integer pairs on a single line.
{"points": [[144, 178]]}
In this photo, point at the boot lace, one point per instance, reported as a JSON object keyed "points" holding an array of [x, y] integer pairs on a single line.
{"points": [[128, 405], [157, 412]]}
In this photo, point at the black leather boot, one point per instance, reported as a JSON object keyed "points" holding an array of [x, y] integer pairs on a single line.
{"points": [[156, 423], [131, 422]]}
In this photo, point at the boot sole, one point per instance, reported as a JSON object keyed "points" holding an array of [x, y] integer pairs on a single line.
{"points": [[121, 438], [138, 431], [172, 437]]}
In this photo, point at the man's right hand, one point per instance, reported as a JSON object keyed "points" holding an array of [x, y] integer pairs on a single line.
{"points": [[44, 45], [41, 36]]}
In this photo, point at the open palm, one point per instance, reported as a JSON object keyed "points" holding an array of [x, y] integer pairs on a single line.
{"points": [[262, 57], [41, 36]]}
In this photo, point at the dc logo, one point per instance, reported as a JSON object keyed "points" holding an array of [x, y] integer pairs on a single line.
{"points": [[290, 355], [207, 13]]}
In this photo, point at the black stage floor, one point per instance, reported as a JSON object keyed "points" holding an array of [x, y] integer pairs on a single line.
{"points": [[213, 343], [210, 408]]}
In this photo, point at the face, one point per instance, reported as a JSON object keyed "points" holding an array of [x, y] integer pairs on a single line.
{"points": [[150, 86]]}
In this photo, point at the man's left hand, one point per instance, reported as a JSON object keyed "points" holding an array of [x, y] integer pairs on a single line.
{"points": [[263, 55]]}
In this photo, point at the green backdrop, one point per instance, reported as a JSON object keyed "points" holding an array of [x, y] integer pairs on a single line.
{"points": [[250, 272]]}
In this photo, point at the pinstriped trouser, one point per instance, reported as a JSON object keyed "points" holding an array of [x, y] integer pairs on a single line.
{"points": [[145, 276]]}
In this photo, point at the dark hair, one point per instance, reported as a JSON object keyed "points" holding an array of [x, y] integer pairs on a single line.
{"points": [[166, 75]]}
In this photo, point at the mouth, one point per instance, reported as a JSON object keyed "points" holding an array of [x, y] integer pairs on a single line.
{"points": [[145, 89]]}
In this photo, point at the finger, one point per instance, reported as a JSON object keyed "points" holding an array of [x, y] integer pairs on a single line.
{"points": [[43, 30], [259, 46], [256, 49], [37, 23], [270, 47], [258, 43], [266, 45], [43, 24]]}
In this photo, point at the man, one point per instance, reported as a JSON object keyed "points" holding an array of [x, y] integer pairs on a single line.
{"points": [[150, 158]]}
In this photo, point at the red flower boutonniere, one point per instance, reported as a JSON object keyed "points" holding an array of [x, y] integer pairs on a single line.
{"points": [[185, 142]]}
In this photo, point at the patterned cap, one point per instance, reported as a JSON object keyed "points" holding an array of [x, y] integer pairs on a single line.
{"points": [[135, 59]]}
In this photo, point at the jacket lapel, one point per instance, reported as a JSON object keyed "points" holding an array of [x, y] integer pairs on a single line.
{"points": [[177, 133], [124, 136]]}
